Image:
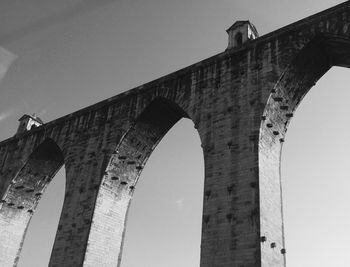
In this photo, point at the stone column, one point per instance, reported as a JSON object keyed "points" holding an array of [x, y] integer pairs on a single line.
{"points": [[84, 171], [231, 227]]}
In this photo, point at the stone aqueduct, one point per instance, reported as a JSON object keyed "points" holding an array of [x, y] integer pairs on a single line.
{"points": [[241, 102]]}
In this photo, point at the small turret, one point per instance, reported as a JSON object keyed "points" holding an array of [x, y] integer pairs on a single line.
{"points": [[240, 32], [28, 122]]}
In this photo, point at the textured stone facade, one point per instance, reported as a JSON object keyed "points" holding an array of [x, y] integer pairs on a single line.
{"points": [[241, 102]]}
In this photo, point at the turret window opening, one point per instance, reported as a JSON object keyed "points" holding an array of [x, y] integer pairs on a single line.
{"points": [[239, 38]]}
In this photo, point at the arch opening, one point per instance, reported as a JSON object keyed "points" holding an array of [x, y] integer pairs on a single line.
{"points": [[239, 38], [165, 215], [42, 228], [22, 196], [314, 176], [312, 62], [120, 179]]}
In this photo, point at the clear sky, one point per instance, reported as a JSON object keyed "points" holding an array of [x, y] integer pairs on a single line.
{"points": [[69, 54]]}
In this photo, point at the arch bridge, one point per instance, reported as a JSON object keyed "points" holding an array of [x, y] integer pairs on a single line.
{"points": [[241, 102]]}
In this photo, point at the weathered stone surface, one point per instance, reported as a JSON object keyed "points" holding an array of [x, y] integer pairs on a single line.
{"points": [[241, 102]]}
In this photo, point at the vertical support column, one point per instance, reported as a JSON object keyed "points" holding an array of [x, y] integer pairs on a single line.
{"points": [[108, 226], [109, 219], [13, 225], [271, 219], [231, 225], [83, 176]]}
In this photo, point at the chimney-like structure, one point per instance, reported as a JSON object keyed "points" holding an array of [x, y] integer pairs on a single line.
{"points": [[241, 32], [27, 122]]}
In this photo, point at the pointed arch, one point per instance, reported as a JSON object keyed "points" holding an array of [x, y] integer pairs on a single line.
{"points": [[22, 196], [120, 179], [311, 63], [169, 196]]}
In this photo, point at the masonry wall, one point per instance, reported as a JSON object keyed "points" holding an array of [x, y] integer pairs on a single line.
{"points": [[238, 101]]}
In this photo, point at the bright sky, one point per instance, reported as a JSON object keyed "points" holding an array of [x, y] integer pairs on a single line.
{"points": [[67, 55]]}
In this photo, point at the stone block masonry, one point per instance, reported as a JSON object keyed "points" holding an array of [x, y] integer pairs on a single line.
{"points": [[241, 102]]}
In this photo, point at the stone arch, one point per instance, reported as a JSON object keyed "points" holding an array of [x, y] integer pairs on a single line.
{"points": [[21, 197], [120, 179], [311, 63]]}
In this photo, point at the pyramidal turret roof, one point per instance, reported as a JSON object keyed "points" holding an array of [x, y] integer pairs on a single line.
{"points": [[32, 117]]}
